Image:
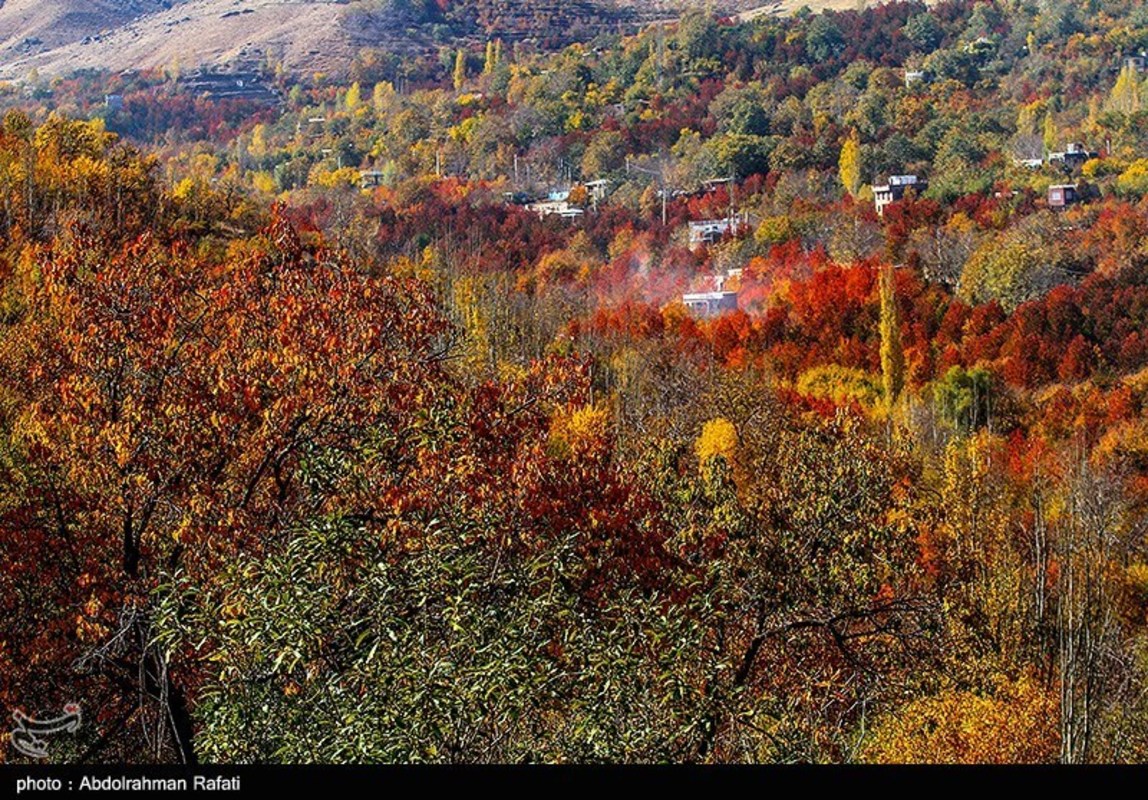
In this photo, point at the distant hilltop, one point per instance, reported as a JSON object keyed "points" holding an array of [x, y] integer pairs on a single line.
{"points": [[58, 37]]}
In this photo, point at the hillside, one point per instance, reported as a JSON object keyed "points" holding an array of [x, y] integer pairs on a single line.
{"points": [[57, 37], [186, 33], [27, 26]]}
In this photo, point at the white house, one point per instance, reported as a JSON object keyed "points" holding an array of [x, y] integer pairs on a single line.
{"points": [[709, 231], [710, 304], [894, 190]]}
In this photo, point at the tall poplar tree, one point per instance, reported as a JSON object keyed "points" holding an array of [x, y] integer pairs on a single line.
{"points": [[460, 69], [849, 164], [892, 350]]}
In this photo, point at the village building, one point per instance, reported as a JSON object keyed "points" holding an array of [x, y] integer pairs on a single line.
{"points": [[1063, 195], [557, 203], [710, 304], [597, 189], [1136, 63], [370, 178], [894, 190], [709, 231], [1073, 156]]}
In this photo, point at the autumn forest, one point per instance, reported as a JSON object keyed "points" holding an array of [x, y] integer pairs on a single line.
{"points": [[760, 389]]}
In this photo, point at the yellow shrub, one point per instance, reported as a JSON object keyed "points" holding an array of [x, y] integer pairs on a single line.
{"points": [[184, 189], [1137, 575], [1134, 180], [1016, 723], [578, 430], [346, 176], [718, 438], [263, 182], [842, 385]]}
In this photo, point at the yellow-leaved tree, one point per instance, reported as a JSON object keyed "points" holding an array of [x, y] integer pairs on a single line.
{"points": [[1127, 93], [354, 96], [849, 164], [258, 145], [489, 63], [460, 69]]}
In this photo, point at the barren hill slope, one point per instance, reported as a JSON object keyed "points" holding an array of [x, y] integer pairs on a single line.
{"points": [[300, 33], [38, 24]]}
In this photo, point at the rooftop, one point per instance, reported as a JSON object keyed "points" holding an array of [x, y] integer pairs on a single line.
{"points": [[702, 297], [902, 180]]}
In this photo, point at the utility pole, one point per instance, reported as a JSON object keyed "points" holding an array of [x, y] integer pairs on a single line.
{"points": [[732, 187], [661, 53]]}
